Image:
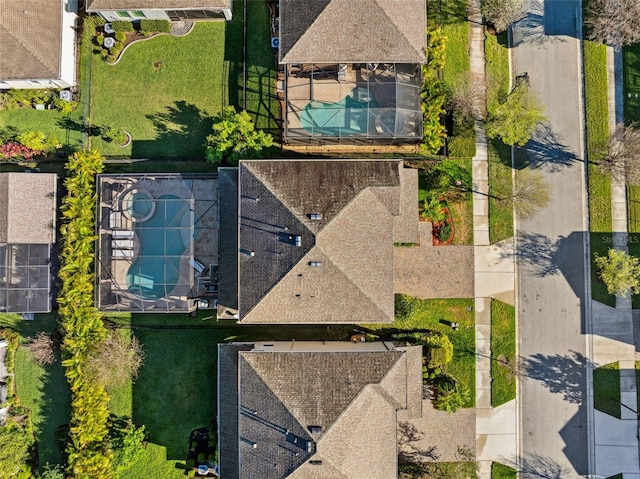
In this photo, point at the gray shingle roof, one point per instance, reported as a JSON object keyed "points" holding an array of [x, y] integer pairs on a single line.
{"points": [[30, 39], [34, 224], [345, 31], [343, 269], [94, 5], [228, 242], [353, 396]]}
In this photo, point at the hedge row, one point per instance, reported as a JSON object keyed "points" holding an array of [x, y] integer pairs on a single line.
{"points": [[152, 26], [88, 449]]}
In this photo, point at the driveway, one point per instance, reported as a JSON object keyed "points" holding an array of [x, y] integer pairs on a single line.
{"points": [[430, 272], [553, 417]]}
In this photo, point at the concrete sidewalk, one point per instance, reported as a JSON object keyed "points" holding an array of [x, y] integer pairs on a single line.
{"points": [[494, 277]]}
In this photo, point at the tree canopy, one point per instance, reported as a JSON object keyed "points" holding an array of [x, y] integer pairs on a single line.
{"points": [[620, 272], [234, 138], [515, 120], [613, 22], [502, 13]]}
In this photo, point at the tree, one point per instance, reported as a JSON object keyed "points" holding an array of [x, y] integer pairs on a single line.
{"points": [[234, 138], [500, 14], [619, 272], [42, 348], [515, 120], [613, 22], [529, 194], [622, 157], [115, 360]]}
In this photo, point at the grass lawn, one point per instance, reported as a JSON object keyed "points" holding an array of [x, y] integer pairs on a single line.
{"points": [[606, 389], [500, 180], [50, 122], [163, 91], [631, 75], [503, 348], [500, 171], [42, 389], [426, 314], [500, 471], [597, 112]]}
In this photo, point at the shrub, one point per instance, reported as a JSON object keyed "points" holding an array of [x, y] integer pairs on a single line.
{"points": [[440, 350], [122, 26], [115, 135], [15, 443], [152, 26], [52, 471], [120, 36], [115, 349], [100, 40], [127, 442], [117, 47], [450, 399], [104, 52], [38, 141], [42, 348], [462, 145], [12, 151], [405, 305], [110, 58]]}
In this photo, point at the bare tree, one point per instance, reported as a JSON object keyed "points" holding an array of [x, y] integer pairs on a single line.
{"points": [[622, 157], [116, 360], [42, 348], [500, 14], [613, 22], [530, 193], [466, 97]]}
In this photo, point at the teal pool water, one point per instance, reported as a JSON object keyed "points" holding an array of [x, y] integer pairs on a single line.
{"points": [[139, 205], [347, 117], [156, 270]]}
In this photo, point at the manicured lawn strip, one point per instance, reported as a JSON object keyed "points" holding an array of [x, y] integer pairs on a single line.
{"points": [[152, 463], [497, 68], [166, 108], [503, 347], [600, 244], [262, 103], [633, 206], [631, 75], [446, 12], [634, 250], [426, 315], [500, 471], [500, 178], [606, 389], [597, 113]]}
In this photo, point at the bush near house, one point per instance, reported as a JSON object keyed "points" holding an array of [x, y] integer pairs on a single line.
{"points": [[152, 26], [122, 26]]}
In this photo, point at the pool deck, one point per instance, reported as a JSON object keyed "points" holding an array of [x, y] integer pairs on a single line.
{"points": [[119, 244]]}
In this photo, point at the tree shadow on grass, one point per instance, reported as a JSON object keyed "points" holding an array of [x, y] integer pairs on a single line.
{"points": [[181, 131], [535, 466]]}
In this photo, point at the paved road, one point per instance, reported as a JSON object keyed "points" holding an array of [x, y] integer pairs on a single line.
{"points": [[553, 435]]}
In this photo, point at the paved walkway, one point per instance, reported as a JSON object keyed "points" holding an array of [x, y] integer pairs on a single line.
{"points": [[494, 278], [428, 271]]}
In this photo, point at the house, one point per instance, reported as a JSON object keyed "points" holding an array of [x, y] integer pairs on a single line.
{"points": [[314, 409], [157, 242], [173, 10], [38, 44], [27, 235], [351, 70], [311, 241]]}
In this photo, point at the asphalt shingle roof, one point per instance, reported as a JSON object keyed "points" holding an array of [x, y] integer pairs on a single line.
{"points": [[94, 5], [342, 269], [30, 39], [348, 31]]}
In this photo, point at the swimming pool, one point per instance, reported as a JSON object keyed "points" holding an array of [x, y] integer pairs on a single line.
{"points": [[156, 270]]}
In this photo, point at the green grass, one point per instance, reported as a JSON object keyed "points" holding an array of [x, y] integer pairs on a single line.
{"points": [[606, 389], [426, 314], [503, 348], [633, 206], [500, 179], [152, 464], [600, 244], [631, 75], [597, 113], [500, 471], [497, 69], [50, 122], [166, 108], [41, 389]]}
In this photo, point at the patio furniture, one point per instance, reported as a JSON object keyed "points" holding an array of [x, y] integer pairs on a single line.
{"points": [[122, 253], [122, 244], [115, 219], [122, 234]]}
